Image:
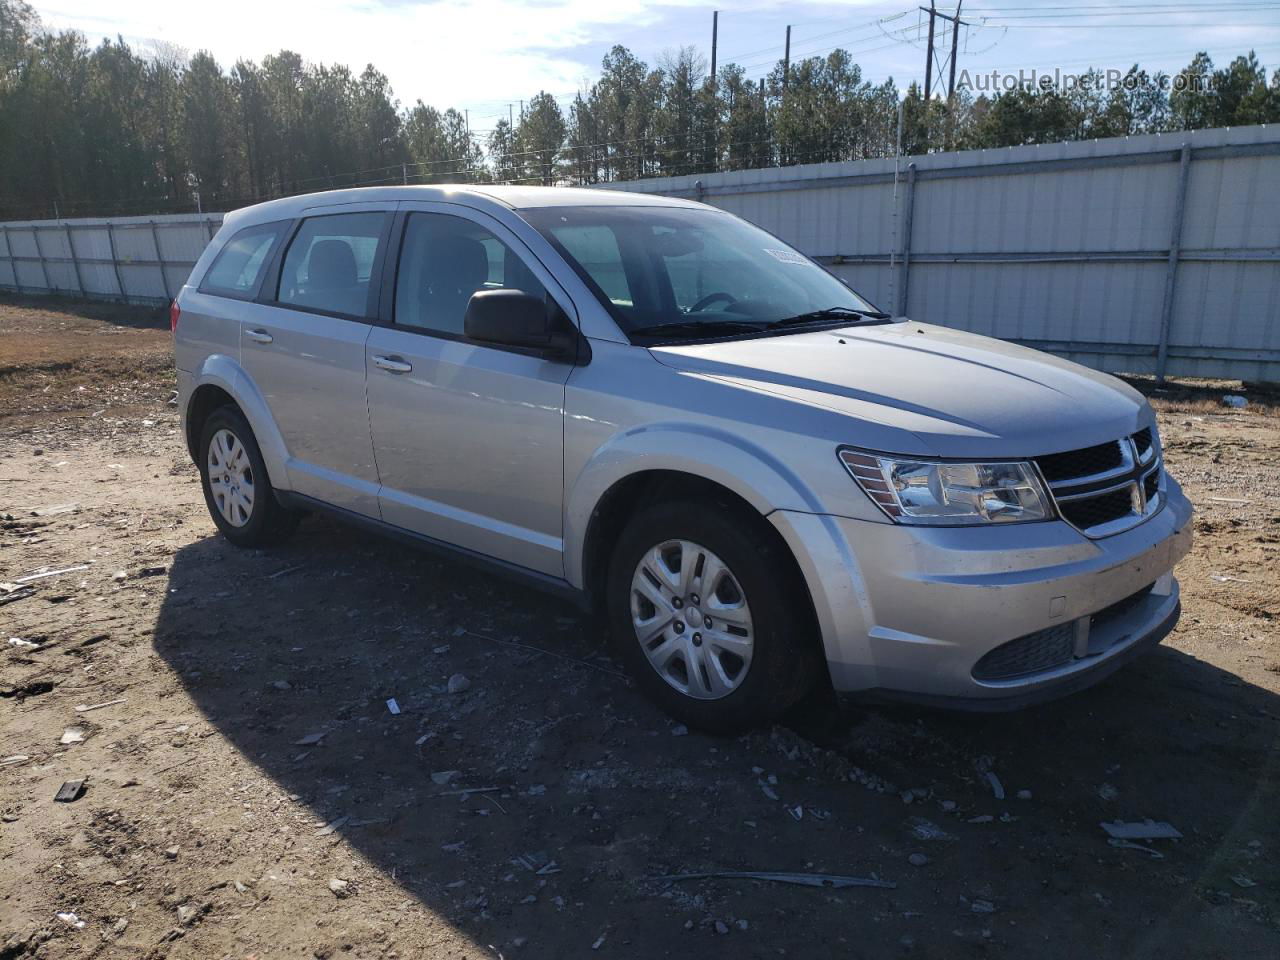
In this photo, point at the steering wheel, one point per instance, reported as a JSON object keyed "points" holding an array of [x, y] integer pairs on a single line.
{"points": [[711, 298]]}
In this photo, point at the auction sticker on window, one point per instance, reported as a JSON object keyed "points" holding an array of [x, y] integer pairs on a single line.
{"points": [[786, 256]]}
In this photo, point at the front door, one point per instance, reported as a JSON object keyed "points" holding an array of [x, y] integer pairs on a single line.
{"points": [[303, 347], [468, 437]]}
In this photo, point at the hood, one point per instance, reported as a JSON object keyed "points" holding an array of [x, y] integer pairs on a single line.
{"points": [[959, 394]]}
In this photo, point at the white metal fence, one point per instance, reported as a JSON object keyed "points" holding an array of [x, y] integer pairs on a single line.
{"points": [[134, 259], [1137, 254]]}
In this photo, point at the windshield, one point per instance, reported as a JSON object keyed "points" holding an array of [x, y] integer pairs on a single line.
{"points": [[673, 273]]}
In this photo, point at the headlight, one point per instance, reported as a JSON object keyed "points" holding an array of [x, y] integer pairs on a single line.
{"points": [[942, 493]]}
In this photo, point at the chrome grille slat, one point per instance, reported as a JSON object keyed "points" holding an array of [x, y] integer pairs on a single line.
{"points": [[1093, 500]]}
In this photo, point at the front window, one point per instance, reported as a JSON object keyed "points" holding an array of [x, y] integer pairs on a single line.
{"points": [[669, 273]]}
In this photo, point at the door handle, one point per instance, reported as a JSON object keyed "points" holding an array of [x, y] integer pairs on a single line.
{"points": [[259, 336], [392, 364]]}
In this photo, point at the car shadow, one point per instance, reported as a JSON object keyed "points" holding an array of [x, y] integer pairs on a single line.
{"points": [[581, 794]]}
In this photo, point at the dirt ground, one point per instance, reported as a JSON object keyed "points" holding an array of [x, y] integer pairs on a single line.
{"points": [[248, 793]]}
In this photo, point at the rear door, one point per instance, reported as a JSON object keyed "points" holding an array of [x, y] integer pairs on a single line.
{"points": [[468, 436], [303, 343]]}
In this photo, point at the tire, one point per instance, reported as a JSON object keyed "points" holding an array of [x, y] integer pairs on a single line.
{"points": [[733, 685], [245, 510]]}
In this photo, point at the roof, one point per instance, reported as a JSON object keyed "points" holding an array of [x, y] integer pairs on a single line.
{"points": [[477, 195]]}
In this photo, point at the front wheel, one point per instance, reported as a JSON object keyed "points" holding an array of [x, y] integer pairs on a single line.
{"points": [[709, 617], [237, 490]]}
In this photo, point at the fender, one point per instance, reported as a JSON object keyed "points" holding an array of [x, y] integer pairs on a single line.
{"points": [[748, 470], [222, 371]]}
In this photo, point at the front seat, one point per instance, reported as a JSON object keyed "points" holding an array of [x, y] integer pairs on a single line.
{"points": [[456, 271]]}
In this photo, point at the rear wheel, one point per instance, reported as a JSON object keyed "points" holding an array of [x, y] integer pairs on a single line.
{"points": [[236, 487], [708, 616]]}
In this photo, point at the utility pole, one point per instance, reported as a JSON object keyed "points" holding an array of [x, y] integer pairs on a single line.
{"points": [[956, 24], [715, 30], [928, 57], [786, 59], [713, 148]]}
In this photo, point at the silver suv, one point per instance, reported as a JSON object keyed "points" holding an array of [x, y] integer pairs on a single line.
{"points": [[679, 420]]}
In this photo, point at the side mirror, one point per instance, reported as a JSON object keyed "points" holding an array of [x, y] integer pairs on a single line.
{"points": [[513, 318]]}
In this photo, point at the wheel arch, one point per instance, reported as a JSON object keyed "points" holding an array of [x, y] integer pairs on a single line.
{"points": [[221, 381]]}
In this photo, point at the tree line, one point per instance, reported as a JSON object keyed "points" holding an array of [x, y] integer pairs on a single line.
{"points": [[111, 130]]}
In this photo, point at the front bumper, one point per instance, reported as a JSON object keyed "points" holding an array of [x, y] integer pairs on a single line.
{"points": [[910, 611]]}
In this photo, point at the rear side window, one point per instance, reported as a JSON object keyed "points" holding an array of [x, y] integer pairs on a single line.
{"points": [[330, 263], [238, 267]]}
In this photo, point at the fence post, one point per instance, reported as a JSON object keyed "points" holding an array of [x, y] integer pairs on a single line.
{"points": [[1171, 271], [75, 260], [8, 250], [35, 236], [904, 264], [115, 262], [164, 277]]}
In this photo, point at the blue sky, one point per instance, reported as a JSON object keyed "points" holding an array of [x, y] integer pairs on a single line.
{"points": [[482, 54]]}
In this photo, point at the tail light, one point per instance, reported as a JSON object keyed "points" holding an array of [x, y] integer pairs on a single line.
{"points": [[174, 313]]}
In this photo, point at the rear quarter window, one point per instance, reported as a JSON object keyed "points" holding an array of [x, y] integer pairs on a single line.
{"points": [[237, 269]]}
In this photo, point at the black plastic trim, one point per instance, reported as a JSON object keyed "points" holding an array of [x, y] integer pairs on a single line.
{"points": [[1073, 683]]}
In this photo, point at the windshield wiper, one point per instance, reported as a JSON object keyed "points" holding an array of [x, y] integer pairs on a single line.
{"points": [[700, 328], [831, 313]]}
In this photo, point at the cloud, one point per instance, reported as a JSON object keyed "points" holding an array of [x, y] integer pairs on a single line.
{"points": [[445, 52]]}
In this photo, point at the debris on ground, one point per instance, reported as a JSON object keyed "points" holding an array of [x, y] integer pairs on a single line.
{"points": [[332, 827], [1235, 401], [70, 791], [997, 788], [73, 735], [85, 708], [16, 594], [340, 888], [1146, 830], [458, 683], [55, 510], [1130, 845], [45, 574], [392, 707], [923, 829]]}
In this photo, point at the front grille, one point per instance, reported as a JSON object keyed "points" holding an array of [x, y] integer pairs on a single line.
{"points": [[1042, 650], [1081, 463], [1142, 440], [1095, 511], [1151, 485], [1097, 489]]}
